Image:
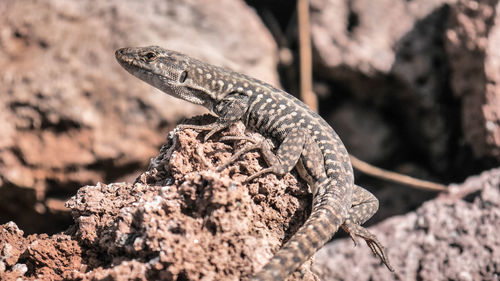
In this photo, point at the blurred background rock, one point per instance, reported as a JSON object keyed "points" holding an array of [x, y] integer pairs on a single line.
{"points": [[409, 85]]}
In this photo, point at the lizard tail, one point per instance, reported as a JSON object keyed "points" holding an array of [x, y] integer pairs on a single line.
{"points": [[326, 217]]}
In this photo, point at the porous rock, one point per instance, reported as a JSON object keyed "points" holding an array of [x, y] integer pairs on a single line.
{"points": [[70, 115], [473, 39], [453, 237], [180, 220], [390, 54]]}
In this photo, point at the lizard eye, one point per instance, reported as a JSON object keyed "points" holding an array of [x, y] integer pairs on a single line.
{"points": [[150, 56], [183, 76]]}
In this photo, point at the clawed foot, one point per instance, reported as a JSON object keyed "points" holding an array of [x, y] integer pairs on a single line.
{"points": [[240, 152], [356, 231], [215, 127], [263, 146], [212, 128]]}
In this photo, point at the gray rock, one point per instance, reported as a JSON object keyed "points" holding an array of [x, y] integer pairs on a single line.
{"points": [[472, 44], [453, 237], [390, 53]]}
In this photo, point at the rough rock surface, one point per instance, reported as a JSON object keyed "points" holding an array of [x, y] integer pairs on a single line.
{"points": [[448, 238], [69, 115], [41, 256], [390, 54], [364, 34], [473, 39], [180, 220]]}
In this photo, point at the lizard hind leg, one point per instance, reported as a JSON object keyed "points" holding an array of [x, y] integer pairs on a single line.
{"points": [[328, 213], [325, 219], [364, 205]]}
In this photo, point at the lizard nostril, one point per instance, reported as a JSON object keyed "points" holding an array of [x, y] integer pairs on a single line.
{"points": [[121, 53]]}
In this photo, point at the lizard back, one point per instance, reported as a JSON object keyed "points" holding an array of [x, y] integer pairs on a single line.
{"points": [[274, 113]]}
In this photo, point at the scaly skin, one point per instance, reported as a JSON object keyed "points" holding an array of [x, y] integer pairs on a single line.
{"points": [[306, 141]]}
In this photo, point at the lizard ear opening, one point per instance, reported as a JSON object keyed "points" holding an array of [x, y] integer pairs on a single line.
{"points": [[183, 77]]}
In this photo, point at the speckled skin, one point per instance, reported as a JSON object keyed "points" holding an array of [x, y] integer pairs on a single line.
{"points": [[305, 141]]}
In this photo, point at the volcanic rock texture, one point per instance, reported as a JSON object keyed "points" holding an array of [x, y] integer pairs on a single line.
{"points": [[408, 85]]}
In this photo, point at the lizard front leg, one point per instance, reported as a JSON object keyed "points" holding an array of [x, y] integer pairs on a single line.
{"points": [[256, 145], [229, 110], [285, 159], [213, 128]]}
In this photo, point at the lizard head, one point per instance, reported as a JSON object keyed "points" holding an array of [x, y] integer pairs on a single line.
{"points": [[166, 70]]}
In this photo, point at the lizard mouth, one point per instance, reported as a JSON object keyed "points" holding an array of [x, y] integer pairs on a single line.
{"points": [[161, 82], [142, 70], [128, 60]]}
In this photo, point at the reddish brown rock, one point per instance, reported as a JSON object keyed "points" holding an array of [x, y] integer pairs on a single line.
{"points": [[12, 243], [70, 115], [37, 257], [48, 257], [179, 220]]}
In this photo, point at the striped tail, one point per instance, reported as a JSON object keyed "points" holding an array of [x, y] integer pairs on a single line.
{"points": [[328, 213]]}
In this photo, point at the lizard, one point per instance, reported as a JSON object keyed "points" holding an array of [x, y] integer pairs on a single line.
{"points": [[305, 142]]}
